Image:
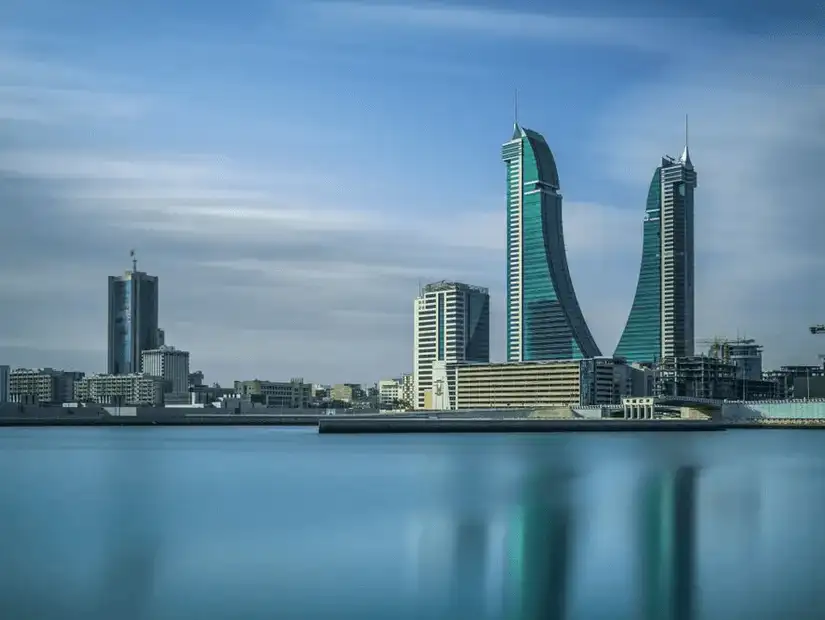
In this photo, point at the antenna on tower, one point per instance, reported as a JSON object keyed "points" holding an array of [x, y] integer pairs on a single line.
{"points": [[134, 260], [685, 158], [515, 106]]}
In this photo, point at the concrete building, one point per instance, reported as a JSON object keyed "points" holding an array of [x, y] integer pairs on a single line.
{"points": [[661, 319], [292, 394], [408, 390], [544, 320], [795, 381], [4, 384], [42, 386], [696, 376], [196, 378], [132, 389], [347, 393], [451, 325], [390, 393], [556, 383], [168, 363], [133, 319]]}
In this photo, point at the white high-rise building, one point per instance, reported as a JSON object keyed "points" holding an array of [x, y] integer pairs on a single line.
{"points": [[170, 364], [452, 325], [678, 183]]}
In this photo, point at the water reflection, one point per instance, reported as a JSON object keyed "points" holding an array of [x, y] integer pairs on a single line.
{"points": [[229, 523], [668, 543], [541, 538]]}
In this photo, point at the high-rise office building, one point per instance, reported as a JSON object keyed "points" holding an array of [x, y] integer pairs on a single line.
{"points": [[452, 325], [544, 320], [661, 320], [133, 319]]}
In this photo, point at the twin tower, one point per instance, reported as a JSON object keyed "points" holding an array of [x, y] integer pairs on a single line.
{"points": [[544, 320]]}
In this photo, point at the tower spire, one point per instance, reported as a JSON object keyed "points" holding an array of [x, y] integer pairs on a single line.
{"points": [[685, 158], [134, 260], [515, 107]]}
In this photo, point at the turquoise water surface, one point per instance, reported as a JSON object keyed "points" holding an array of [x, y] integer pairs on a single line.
{"points": [[249, 523]]}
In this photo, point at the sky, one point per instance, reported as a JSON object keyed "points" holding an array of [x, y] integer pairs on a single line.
{"points": [[291, 171]]}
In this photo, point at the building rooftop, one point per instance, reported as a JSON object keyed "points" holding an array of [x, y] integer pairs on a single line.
{"points": [[445, 285]]}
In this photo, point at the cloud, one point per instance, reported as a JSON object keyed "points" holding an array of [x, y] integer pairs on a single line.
{"points": [[645, 34], [270, 269], [49, 92], [757, 134], [291, 285]]}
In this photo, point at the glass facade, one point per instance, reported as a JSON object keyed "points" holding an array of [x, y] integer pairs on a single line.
{"points": [[477, 342], [641, 340], [133, 320], [660, 323], [544, 320], [442, 328]]}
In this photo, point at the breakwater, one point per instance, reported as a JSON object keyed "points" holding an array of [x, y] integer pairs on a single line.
{"points": [[488, 425]]}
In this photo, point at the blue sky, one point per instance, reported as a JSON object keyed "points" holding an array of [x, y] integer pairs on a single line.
{"points": [[291, 170]]}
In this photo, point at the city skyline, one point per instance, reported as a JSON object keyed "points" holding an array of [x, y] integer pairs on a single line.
{"points": [[279, 255]]}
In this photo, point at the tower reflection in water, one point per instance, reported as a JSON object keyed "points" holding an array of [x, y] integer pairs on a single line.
{"points": [[540, 545], [667, 539], [538, 568]]}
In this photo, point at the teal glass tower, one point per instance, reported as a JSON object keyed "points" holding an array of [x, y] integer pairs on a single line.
{"points": [[661, 322], [544, 320]]}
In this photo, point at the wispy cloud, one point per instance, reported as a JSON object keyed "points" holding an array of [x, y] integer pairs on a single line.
{"points": [[263, 251], [49, 92], [644, 34], [55, 105]]}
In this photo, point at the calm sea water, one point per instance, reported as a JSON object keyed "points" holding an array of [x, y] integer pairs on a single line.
{"points": [[241, 523]]}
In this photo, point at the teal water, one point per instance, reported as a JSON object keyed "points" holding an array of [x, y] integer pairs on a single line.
{"points": [[248, 523]]}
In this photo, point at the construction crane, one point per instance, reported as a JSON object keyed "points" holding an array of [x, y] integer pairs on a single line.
{"points": [[817, 329]]}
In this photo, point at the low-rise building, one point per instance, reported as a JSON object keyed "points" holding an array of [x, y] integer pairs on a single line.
{"points": [[542, 384], [170, 364], [696, 376], [196, 378], [133, 389], [292, 394], [42, 386], [390, 393], [347, 393], [408, 391], [789, 378]]}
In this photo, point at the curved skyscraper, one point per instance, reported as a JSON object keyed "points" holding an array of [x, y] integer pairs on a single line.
{"points": [[544, 321], [661, 322]]}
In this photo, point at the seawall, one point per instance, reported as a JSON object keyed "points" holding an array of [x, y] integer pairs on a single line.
{"points": [[228, 420], [443, 425]]}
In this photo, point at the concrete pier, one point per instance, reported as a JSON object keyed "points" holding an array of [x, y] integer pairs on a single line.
{"points": [[456, 425]]}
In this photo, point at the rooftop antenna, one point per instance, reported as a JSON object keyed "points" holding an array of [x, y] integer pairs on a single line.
{"points": [[685, 159], [515, 106], [134, 260]]}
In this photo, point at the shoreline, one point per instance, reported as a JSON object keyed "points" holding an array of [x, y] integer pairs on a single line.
{"points": [[418, 424], [512, 425]]}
